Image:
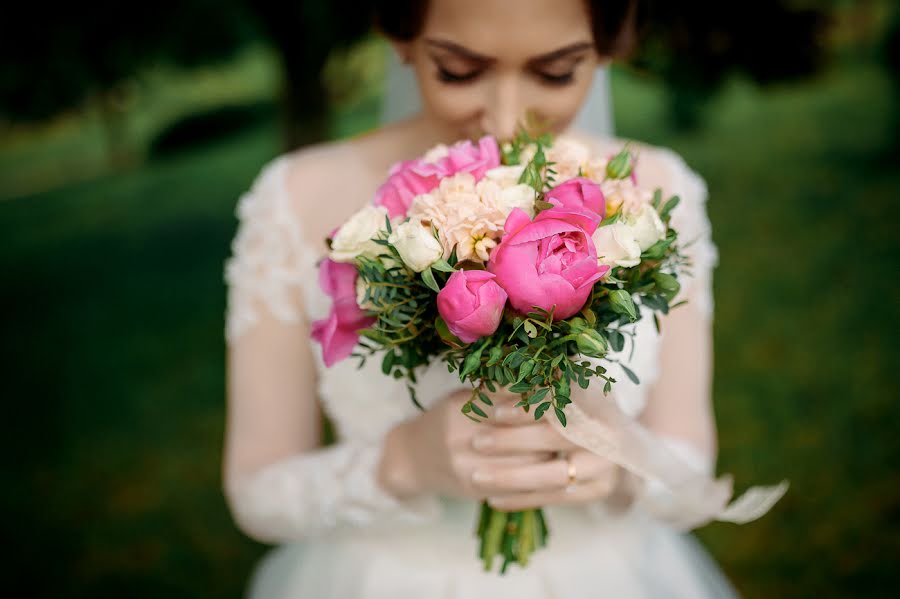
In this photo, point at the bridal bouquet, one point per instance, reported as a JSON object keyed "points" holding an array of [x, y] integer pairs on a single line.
{"points": [[512, 264]]}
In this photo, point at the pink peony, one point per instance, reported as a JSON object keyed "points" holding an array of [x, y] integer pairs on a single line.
{"points": [[466, 157], [545, 263], [410, 178], [406, 180], [579, 201], [338, 333], [471, 303]]}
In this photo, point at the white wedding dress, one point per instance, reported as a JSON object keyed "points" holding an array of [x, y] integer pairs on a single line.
{"points": [[342, 536]]}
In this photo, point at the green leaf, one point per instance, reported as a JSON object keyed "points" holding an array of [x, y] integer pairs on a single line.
{"points": [[538, 395], [446, 336], [630, 374], [530, 329], [525, 369], [607, 387], [621, 303], [428, 279], [539, 411], [668, 283], [657, 198], [484, 398], [616, 340], [669, 206], [443, 266], [387, 364], [560, 415], [523, 387], [375, 336], [478, 410]]}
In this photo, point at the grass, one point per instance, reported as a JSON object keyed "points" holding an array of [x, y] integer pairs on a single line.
{"points": [[113, 350]]}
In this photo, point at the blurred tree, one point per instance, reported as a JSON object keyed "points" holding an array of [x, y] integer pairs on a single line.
{"points": [[73, 56], [694, 46], [68, 55], [304, 33]]}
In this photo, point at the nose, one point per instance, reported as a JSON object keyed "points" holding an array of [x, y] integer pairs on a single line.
{"points": [[504, 108]]}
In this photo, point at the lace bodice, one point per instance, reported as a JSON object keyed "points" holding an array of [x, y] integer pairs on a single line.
{"points": [[272, 260]]}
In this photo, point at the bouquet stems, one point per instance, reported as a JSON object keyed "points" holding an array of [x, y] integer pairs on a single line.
{"points": [[513, 536]]}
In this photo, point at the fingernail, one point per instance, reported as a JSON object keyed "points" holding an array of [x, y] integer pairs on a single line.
{"points": [[480, 476], [482, 441]]}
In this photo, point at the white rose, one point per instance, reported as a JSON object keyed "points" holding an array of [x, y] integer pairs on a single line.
{"points": [[416, 244], [355, 236], [616, 245], [646, 226]]}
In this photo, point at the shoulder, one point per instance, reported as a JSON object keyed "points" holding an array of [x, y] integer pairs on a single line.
{"points": [[316, 186]]}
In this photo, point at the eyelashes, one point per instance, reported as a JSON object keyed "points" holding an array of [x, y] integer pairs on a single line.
{"points": [[450, 77]]}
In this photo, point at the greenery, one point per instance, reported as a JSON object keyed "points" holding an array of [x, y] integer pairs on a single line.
{"points": [[113, 351]]}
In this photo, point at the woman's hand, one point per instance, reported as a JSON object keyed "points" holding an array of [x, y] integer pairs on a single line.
{"points": [[535, 484], [433, 452], [508, 457]]}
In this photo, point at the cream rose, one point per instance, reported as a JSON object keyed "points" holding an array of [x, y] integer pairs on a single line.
{"points": [[505, 198], [505, 176], [416, 244], [355, 237], [646, 226], [616, 245], [569, 157]]}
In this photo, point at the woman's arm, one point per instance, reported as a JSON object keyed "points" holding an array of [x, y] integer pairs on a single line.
{"points": [[679, 408], [279, 483]]}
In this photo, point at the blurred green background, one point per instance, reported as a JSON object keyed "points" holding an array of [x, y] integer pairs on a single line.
{"points": [[116, 214]]}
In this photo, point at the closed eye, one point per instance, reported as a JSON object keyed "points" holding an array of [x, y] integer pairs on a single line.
{"points": [[452, 77], [553, 79]]}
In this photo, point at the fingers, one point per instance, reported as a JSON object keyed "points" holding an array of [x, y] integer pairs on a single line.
{"points": [[584, 492], [550, 475], [533, 436]]}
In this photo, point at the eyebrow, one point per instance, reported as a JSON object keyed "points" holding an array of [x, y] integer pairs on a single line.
{"points": [[476, 57]]}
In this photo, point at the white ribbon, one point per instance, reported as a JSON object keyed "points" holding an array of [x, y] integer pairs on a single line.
{"points": [[694, 498]]}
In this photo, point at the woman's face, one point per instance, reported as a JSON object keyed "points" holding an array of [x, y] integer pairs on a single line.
{"points": [[482, 64]]}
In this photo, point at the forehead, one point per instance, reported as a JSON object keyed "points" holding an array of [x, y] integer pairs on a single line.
{"points": [[509, 29]]}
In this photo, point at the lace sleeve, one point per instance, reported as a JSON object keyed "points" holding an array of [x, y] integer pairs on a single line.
{"points": [[314, 493], [691, 221], [272, 271], [269, 261]]}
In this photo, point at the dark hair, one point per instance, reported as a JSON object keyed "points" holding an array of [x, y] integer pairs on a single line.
{"points": [[616, 24]]}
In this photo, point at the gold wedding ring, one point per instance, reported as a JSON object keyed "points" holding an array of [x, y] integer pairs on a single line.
{"points": [[571, 474]]}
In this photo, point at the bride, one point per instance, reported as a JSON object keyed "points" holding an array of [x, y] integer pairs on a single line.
{"points": [[388, 510]]}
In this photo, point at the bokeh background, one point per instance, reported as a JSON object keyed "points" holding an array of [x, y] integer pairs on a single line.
{"points": [[127, 138]]}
